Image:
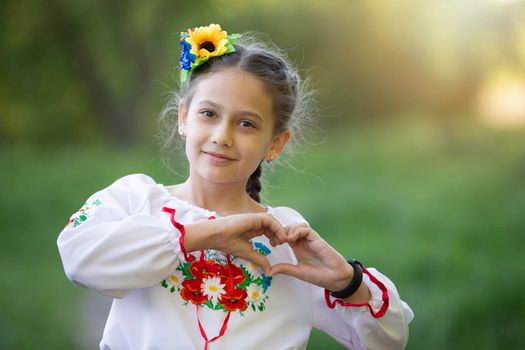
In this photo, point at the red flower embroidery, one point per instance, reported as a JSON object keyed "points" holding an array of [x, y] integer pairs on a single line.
{"points": [[209, 269], [191, 291], [237, 273], [230, 283], [234, 300]]}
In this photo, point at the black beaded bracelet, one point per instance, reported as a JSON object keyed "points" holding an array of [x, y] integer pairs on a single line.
{"points": [[354, 283]]}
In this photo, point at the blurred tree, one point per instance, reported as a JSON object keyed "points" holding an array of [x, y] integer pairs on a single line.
{"points": [[116, 105], [81, 67], [114, 50]]}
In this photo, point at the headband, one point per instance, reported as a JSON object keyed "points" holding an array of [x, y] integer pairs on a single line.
{"points": [[200, 44]]}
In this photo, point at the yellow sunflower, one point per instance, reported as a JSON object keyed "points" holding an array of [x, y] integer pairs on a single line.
{"points": [[207, 42]]}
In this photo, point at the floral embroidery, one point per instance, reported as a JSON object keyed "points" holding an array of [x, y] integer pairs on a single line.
{"points": [[206, 282], [255, 295], [174, 282], [213, 289], [83, 213]]}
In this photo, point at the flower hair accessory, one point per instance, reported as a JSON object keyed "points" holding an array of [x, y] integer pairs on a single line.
{"points": [[200, 44]]}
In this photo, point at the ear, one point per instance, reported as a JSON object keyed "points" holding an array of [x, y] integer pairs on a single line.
{"points": [[183, 115], [278, 144]]}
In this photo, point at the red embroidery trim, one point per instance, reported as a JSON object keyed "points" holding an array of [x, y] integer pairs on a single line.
{"points": [[231, 284], [190, 257], [227, 318], [384, 297], [203, 332], [182, 231]]}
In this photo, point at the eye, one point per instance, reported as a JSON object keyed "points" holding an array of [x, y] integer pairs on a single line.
{"points": [[207, 113], [246, 124]]}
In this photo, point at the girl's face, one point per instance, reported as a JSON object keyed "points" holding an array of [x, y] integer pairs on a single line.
{"points": [[229, 127]]}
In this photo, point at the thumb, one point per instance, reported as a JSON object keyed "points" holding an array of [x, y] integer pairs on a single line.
{"points": [[260, 260], [286, 269]]}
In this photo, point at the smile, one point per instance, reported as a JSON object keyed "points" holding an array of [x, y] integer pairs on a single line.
{"points": [[218, 157]]}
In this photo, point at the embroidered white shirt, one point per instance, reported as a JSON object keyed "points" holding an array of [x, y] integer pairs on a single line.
{"points": [[122, 244]]}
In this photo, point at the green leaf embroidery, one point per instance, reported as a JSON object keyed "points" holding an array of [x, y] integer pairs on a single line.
{"points": [[185, 268], [247, 280], [219, 306]]}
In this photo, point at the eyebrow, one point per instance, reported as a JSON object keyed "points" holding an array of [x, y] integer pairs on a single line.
{"points": [[216, 105]]}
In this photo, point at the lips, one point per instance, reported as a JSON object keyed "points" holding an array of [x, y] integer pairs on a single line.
{"points": [[218, 156]]}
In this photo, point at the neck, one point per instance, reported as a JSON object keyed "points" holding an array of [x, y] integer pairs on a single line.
{"points": [[225, 199]]}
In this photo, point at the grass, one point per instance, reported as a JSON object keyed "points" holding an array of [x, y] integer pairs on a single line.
{"points": [[436, 207]]}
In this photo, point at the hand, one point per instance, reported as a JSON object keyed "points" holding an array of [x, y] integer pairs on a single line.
{"points": [[318, 263], [232, 234]]}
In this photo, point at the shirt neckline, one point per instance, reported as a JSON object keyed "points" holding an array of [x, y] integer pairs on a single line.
{"points": [[196, 207]]}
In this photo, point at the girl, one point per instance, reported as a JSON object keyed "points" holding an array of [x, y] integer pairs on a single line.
{"points": [[203, 264]]}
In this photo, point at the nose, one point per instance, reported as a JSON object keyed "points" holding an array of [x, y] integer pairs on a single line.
{"points": [[222, 135]]}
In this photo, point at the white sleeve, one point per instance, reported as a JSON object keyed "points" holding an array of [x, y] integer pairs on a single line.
{"points": [[113, 244], [355, 327]]}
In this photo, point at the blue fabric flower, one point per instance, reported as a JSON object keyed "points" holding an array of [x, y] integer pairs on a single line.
{"points": [[266, 282], [264, 250], [186, 58]]}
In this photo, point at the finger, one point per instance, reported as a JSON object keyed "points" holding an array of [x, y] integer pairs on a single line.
{"points": [[296, 226], [287, 269], [256, 233], [296, 233], [260, 260], [288, 230], [255, 225], [274, 240], [273, 228]]}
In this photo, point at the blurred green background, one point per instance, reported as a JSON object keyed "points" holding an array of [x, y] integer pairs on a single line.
{"points": [[420, 172]]}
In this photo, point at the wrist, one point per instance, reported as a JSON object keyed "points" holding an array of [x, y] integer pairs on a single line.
{"points": [[354, 284], [199, 235], [343, 278]]}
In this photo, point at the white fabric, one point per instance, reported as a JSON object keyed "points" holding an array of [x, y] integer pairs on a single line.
{"points": [[122, 245]]}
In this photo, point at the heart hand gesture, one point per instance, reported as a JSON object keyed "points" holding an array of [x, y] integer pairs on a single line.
{"points": [[318, 262]]}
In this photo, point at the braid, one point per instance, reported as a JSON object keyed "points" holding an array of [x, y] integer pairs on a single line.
{"points": [[253, 187]]}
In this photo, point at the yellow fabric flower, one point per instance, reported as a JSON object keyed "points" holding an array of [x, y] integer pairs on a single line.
{"points": [[202, 43], [207, 42]]}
